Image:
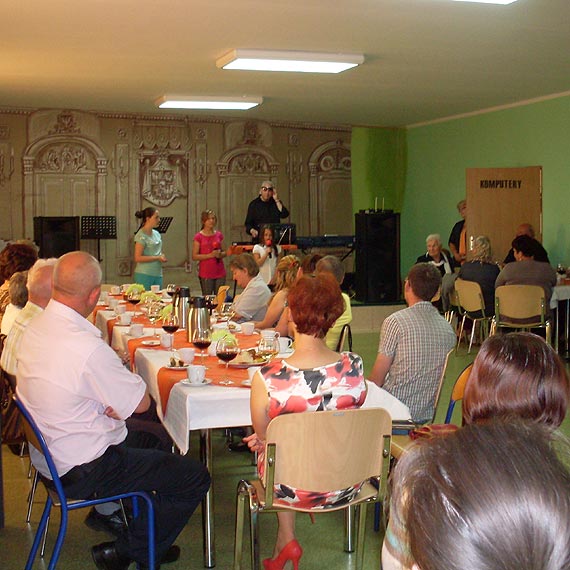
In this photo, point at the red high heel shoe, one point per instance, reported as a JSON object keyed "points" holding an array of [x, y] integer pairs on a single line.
{"points": [[291, 551]]}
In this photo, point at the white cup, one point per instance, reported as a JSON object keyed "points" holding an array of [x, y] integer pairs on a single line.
{"points": [[187, 355], [125, 318], [284, 343], [155, 288], [247, 328], [136, 330], [196, 373], [166, 340], [269, 333], [251, 371], [104, 297], [212, 348], [115, 290], [120, 309], [124, 287], [113, 303]]}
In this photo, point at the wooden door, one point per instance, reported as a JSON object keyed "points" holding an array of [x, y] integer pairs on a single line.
{"points": [[499, 200]]}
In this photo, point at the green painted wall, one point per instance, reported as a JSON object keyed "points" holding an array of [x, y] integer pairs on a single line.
{"points": [[537, 134]]}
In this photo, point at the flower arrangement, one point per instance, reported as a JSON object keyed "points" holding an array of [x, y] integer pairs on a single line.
{"points": [[135, 288]]}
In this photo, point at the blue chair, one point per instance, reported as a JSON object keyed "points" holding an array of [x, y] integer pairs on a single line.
{"points": [[56, 496], [457, 392]]}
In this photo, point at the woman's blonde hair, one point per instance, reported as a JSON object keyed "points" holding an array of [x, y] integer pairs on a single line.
{"points": [[286, 272]]}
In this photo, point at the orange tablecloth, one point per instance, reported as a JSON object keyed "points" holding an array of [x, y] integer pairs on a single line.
{"points": [[237, 249], [216, 371]]}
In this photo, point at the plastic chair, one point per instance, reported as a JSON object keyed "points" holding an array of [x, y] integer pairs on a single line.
{"points": [[221, 295], [472, 307], [457, 392], [56, 496], [521, 307], [321, 451], [345, 336]]}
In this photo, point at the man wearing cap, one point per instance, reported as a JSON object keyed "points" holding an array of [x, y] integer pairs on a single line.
{"points": [[267, 208]]}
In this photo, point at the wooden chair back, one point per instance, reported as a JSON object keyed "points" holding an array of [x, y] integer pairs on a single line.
{"points": [[345, 336], [326, 451], [470, 296], [440, 384], [221, 295], [520, 302]]}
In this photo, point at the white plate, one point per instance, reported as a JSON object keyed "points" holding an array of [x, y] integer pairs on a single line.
{"points": [[150, 342], [187, 382], [238, 364], [285, 353], [177, 367]]}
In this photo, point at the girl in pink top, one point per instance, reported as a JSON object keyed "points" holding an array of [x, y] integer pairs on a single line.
{"points": [[207, 250]]}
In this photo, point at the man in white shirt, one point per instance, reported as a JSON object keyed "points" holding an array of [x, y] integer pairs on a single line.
{"points": [[80, 394]]}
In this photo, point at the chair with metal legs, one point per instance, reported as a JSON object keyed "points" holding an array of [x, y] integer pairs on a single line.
{"points": [[56, 496]]}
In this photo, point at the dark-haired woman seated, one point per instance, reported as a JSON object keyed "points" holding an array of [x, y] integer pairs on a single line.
{"points": [[313, 378]]}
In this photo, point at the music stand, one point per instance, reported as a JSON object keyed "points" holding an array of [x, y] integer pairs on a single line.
{"points": [[164, 224], [285, 234], [98, 227]]}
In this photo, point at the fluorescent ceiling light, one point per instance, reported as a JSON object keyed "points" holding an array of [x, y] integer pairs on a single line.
{"points": [[232, 103], [488, 1], [276, 60]]}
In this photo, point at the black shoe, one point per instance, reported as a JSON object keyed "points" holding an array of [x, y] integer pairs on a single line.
{"points": [[113, 523], [106, 557], [240, 447]]}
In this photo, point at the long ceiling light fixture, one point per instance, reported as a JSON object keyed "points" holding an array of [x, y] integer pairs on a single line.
{"points": [[488, 1], [278, 60], [212, 103]]}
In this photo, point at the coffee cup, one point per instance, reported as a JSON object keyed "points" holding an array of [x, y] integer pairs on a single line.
{"points": [[284, 343], [115, 290], [136, 330], [166, 340], [120, 309], [247, 328], [269, 333], [155, 288], [124, 287], [113, 303], [187, 355], [125, 318], [104, 297], [196, 373]]}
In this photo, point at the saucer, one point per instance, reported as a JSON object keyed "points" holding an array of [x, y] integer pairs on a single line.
{"points": [[177, 367], [150, 343], [187, 382]]}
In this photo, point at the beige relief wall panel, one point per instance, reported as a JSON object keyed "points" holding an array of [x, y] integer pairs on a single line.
{"points": [[64, 195]]}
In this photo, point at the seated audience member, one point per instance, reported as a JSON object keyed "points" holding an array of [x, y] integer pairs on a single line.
{"points": [[309, 263], [458, 237], [517, 375], [251, 303], [285, 277], [526, 270], [18, 298], [266, 254], [80, 394], [413, 346], [489, 496], [333, 265], [39, 284], [482, 270], [14, 257], [313, 378], [539, 251]]}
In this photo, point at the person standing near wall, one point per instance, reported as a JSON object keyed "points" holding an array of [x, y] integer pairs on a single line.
{"points": [[458, 236], [148, 249], [207, 250], [267, 208]]}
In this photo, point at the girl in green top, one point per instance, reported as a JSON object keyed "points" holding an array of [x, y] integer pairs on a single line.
{"points": [[148, 249]]}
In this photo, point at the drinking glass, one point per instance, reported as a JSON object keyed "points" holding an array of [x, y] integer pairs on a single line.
{"points": [[171, 289], [211, 302], [134, 297], [226, 311], [226, 350], [202, 339], [170, 324], [153, 314], [268, 347]]}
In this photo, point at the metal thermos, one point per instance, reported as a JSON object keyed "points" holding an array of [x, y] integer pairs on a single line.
{"points": [[198, 316], [181, 305]]}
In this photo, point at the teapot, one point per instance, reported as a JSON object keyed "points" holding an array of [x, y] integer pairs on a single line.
{"points": [[198, 316], [181, 305]]}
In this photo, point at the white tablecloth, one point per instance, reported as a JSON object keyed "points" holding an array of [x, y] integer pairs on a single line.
{"points": [[559, 293], [205, 407]]}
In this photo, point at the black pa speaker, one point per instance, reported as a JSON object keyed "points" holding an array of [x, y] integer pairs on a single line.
{"points": [[56, 235], [377, 277]]}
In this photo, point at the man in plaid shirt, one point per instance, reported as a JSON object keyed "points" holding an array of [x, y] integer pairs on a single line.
{"points": [[413, 345]]}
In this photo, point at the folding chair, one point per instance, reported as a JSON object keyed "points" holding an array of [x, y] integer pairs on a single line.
{"points": [[56, 496], [472, 307], [521, 307], [320, 451], [345, 336]]}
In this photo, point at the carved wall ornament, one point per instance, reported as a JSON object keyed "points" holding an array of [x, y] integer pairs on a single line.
{"points": [[293, 139], [6, 163], [162, 181], [4, 132], [122, 133], [150, 136], [294, 166], [247, 133], [65, 124], [66, 158], [201, 134]]}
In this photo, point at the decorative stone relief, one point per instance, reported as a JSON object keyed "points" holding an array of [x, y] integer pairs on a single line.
{"points": [[150, 136], [294, 166], [6, 163], [66, 158], [247, 133], [4, 132], [57, 122], [201, 167], [162, 180]]}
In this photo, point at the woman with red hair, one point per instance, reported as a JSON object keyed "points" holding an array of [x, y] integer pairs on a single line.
{"points": [[312, 379]]}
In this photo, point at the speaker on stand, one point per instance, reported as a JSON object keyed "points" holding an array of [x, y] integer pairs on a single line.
{"points": [[56, 235], [377, 278]]}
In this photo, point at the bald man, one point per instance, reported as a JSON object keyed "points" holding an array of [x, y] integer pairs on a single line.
{"points": [[539, 253], [80, 394]]}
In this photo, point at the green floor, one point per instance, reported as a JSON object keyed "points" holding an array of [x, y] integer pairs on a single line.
{"points": [[322, 542]]}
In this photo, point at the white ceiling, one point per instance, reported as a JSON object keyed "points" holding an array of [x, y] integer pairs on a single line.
{"points": [[425, 59]]}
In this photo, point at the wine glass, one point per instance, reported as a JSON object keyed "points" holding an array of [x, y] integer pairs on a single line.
{"points": [[202, 339], [226, 311], [171, 289], [153, 314], [226, 350], [170, 324], [268, 347], [134, 297], [211, 302]]}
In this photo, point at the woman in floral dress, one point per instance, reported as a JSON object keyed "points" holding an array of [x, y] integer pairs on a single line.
{"points": [[313, 378]]}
